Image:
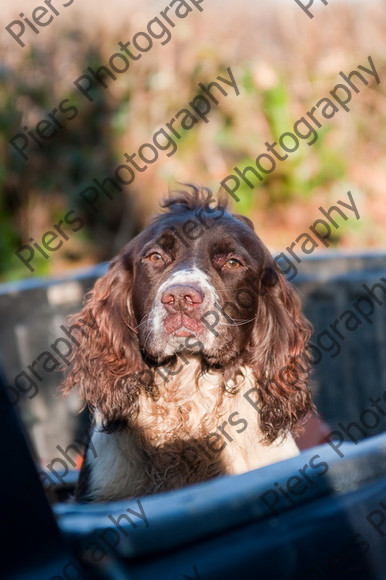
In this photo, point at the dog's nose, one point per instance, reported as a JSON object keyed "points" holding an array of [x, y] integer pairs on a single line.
{"points": [[181, 297]]}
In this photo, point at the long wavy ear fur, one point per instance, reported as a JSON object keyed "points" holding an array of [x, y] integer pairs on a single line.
{"points": [[280, 357], [107, 359]]}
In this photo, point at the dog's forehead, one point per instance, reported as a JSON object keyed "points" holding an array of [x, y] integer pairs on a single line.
{"points": [[199, 230]]}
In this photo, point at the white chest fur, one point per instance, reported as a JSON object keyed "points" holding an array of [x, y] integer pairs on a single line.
{"points": [[193, 431]]}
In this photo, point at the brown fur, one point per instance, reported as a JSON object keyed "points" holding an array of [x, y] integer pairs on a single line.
{"points": [[115, 375]]}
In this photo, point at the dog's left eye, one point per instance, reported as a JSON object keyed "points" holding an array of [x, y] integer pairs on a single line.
{"points": [[233, 264]]}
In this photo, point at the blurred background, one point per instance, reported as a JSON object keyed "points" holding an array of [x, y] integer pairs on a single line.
{"points": [[283, 62]]}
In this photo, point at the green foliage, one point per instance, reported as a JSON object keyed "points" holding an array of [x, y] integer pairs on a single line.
{"points": [[293, 179]]}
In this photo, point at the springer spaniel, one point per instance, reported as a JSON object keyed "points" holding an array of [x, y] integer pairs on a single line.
{"points": [[198, 362]]}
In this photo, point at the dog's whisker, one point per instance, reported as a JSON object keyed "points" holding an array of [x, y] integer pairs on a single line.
{"points": [[240, 323], [143, 321]]}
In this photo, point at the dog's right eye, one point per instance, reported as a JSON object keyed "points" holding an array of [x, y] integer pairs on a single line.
{"points": [[154, 257]]}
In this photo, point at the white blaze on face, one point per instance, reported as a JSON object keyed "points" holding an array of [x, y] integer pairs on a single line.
{"points": [[191, 277]]}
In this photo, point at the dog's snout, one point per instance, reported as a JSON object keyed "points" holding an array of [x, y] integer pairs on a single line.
{"points": [[182, 297]]}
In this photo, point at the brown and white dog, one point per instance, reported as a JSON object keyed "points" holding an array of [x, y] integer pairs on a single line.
{"points": [[198, 363]]}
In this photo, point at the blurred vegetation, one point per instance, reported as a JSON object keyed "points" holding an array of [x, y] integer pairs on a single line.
{"points": [[36, 193], [281, 71]]}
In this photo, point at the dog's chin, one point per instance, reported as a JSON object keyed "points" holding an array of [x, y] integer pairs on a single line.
{"points": [[163, 348], [166, 348]]}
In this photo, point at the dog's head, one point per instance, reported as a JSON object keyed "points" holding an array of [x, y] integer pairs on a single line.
{"points": [[197, 273], [199, 281]]}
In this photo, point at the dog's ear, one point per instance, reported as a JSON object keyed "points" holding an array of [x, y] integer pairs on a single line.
{"points": [[107, 359], [243, 218], [281, 358]]}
